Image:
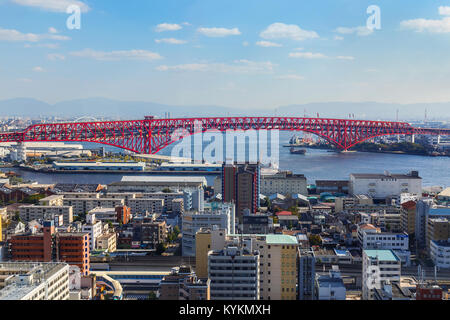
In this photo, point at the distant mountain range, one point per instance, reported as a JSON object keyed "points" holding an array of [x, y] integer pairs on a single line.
{"points": [[108, 108]]}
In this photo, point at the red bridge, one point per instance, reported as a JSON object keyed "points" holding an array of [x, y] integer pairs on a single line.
{"points": [[151, 135]]}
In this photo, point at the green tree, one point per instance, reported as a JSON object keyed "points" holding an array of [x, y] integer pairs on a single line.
{"points": [[152, 296], [315, 240], [160, 248]]}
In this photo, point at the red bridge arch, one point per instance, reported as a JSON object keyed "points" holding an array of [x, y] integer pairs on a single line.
{"points": [[149, 136]]}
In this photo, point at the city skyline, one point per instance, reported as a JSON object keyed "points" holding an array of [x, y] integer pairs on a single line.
{"points": [[240, 55]]}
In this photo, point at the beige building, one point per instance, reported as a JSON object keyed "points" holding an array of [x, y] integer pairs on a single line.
{"points": [[438, 229], [342, 203], [285, 183], [55, 200], [205, 241], [34, 212], [142, 205], [409, 217], [84, 205], [107, 241], [278, 264]]}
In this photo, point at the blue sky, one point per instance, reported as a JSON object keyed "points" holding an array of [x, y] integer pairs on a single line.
{"points": [[247, 54]]}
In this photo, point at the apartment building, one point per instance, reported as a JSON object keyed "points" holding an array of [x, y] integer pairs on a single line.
{"points": [[438, 229], [278, 266], [306, 274], [183, 284], [330, 286], [284, 182], [107, 242], [39, 212], [222, 216], [142, 205], [241, 185], [440, 253], [84, 205], [343, 203], [207, 239], [379, 267], [409, 217], [34, 281], [234, 274], [94, 228], [73, 248]]}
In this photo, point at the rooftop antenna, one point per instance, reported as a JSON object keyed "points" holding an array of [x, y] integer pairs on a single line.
{"points": [[425, 114]]}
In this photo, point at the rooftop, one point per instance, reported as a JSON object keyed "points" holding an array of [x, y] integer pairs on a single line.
{"points": [[439, 212], [383, 255], [179, 179], [385, 175], [280, 239]]}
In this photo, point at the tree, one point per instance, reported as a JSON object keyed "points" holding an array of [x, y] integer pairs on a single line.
{"points": [[152, 296], [166, 190], [160, 248], [315, 240]]}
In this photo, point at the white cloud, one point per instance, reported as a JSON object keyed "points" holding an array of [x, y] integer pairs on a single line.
{"points": [[423, 25], [307, 55], [167, 27], [219, 32], [345, 58], [245, 43], [26, 80], [290, 77], [287, 31], [38, 69], [117, 55], [55, 56], [268, 44], [52, 30], [49, 45], [360, 31], [338, 38], [444, 11], [53, 5], [238, 66], [429, 25], [17, 36], [170, 41]]}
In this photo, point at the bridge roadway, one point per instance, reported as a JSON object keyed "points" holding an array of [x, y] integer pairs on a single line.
{"points": [[151, 135]]}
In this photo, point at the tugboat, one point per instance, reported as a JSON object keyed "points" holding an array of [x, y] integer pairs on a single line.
{"points": [[297, 151]]}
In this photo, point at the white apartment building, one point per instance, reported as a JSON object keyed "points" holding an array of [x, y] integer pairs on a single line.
{"points": [[223, 217], [83, 205], [285, 183], [102, 214], [330, 286], [379, 267], [381, 186], [34, 281], [440, 253], [234, 274], [94, 228], [375, 239], [38, 212], [142, 205]]}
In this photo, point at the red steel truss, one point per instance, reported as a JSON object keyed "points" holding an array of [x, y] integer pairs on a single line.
{"points": [[149, 136]]}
